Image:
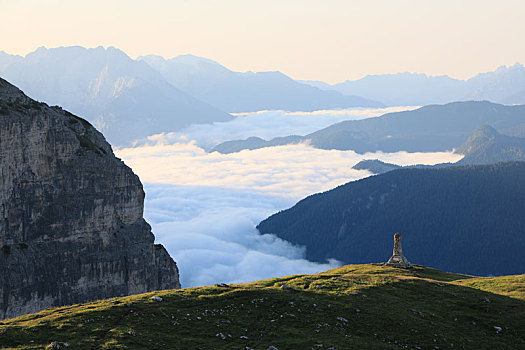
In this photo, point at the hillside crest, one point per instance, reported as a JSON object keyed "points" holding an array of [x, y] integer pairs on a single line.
{"points": [[351, 307]]}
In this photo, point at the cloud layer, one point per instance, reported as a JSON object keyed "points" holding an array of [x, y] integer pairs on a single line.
{"points": [[204, 206], [210, 232], [267, 125], [291, 171]]}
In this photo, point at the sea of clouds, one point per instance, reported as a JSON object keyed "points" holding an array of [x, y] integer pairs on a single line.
{"points": [[266, 125], [204, 206]]}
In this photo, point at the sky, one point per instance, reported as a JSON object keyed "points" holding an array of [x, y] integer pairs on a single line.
{"points": [[329, 40]]}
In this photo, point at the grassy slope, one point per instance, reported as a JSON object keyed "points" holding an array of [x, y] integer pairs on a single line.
{"points": [[356, 306]]}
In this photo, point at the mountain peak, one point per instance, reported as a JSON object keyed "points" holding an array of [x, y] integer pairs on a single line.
{"points": [[485, 131], [515, 67], [69, 51], [479, 137], [486, 145], [192, 59]]}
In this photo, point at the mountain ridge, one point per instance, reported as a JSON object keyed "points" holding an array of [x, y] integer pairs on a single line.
{"points": [[237, 92], [431, 128], [110, 89], [504, 85]]}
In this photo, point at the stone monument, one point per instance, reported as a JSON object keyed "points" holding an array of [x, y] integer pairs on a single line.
{"points": [[398, 259]]}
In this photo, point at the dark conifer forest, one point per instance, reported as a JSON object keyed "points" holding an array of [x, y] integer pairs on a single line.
{"points": [[467, 219]]}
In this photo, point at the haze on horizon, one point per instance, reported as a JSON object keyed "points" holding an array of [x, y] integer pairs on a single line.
{"points": [[329, 40]]}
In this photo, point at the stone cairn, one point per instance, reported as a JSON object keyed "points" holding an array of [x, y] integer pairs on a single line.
{"points": [[398, 259]]}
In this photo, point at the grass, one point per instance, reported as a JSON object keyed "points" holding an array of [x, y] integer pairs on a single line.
{"points": [[369, 306]]}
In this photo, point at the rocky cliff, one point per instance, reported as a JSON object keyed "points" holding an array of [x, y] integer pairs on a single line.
{"points": [[71, 224]]}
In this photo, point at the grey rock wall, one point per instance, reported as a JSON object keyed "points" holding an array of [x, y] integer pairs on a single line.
{"points": [[71, 214]]}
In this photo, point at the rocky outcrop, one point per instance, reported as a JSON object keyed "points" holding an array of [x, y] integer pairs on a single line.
{"points": [[71, 213]]}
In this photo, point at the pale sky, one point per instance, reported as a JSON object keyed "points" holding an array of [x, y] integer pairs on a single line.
{"points": [[330, 40]]}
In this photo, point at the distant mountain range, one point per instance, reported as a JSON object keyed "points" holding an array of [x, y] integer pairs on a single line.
{"points": [[152, 95], [125, 99], [232, 91], [505, 85], [465, 219], [484, 146], [427, 129]]}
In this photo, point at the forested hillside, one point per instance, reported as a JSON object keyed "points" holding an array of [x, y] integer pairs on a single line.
{"points": [[465, 219]]}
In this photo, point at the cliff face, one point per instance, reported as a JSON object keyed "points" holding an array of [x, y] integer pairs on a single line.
{"points": [[71, 224]]}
